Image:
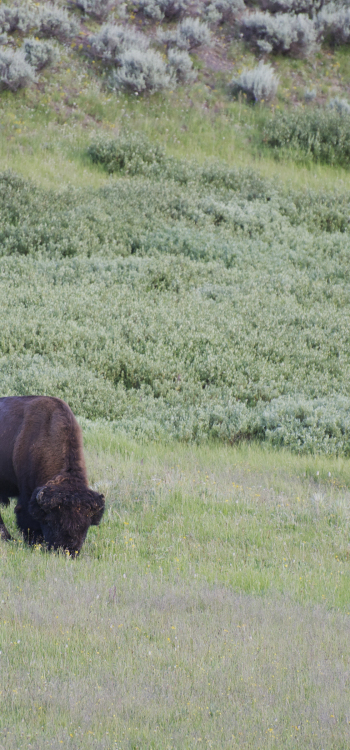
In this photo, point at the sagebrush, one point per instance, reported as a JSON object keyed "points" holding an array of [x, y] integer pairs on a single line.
{"points": [[40, 53], [222, 11], [160, 9], [257, 84], [141, 71], [98, 9], [15, 71], [284, 33], [333, 21], [112, 40]]}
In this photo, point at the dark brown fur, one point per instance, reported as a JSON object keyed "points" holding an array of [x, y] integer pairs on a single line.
{"points": [[42, 464]]}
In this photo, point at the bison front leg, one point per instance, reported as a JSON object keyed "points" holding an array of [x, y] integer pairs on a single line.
{"points": [[30, 528], [4, 534]]}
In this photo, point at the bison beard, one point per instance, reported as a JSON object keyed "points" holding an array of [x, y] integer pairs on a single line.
{"points": [[42, 464]]}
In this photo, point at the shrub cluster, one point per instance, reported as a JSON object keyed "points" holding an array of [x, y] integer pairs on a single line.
{"points": [[112, 40], [341, 105], [222, 11], [98, 9], [52, 20], [258, 84], [160, 9], [189, 34], [39, 53], [140, 71], [15, 71], [283, 33], [46, 20], [318, 134], [291, 6], [15, 17], [180, 66], [333, 21]]}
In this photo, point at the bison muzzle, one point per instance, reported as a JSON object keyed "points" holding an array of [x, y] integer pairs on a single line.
{"points": [[42, 464]]}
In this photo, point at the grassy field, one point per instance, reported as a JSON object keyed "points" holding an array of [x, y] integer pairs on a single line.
{"points": [[210, 609], [193, 309]]}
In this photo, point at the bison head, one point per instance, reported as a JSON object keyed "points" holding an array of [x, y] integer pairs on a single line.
{"points": [[65, 508]]}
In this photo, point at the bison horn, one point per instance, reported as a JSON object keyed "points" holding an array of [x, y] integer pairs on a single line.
{"points": [[46, 499]]}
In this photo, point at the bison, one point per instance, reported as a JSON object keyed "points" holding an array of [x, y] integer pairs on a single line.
{"points": [[42, 464]]}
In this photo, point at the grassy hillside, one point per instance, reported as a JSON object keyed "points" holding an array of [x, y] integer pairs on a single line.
{"points": [[193, 290], [175, 266]]}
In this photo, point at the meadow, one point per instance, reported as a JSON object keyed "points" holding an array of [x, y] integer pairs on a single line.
{"points": [[210, 608], [175, 266]]}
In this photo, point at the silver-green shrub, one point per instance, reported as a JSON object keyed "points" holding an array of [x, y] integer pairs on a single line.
{"points": [[310, 95], [192, 33], [15, 71], [187, 35], [140, 71], [292, 34], [291, 6], [308, 425], [16, 17], [98, 9], [341, 105], [257, 84], [40, 53], [222, 11], [52, 20], [160, 9], [180, 65], [168, 37], [112, 40], [333, 21]]}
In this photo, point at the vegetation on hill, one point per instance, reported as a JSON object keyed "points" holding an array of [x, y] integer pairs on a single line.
{"points": [[180, 298]]}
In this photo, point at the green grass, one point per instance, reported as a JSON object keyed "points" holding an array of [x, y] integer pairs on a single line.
{"points": [[45, 131], [202, 612]]}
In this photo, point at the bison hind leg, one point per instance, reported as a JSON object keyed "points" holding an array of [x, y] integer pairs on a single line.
{"points": [[4, 534]]}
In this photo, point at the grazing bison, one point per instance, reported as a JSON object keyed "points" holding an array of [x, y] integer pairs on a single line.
{"points": [[42, 464]]}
